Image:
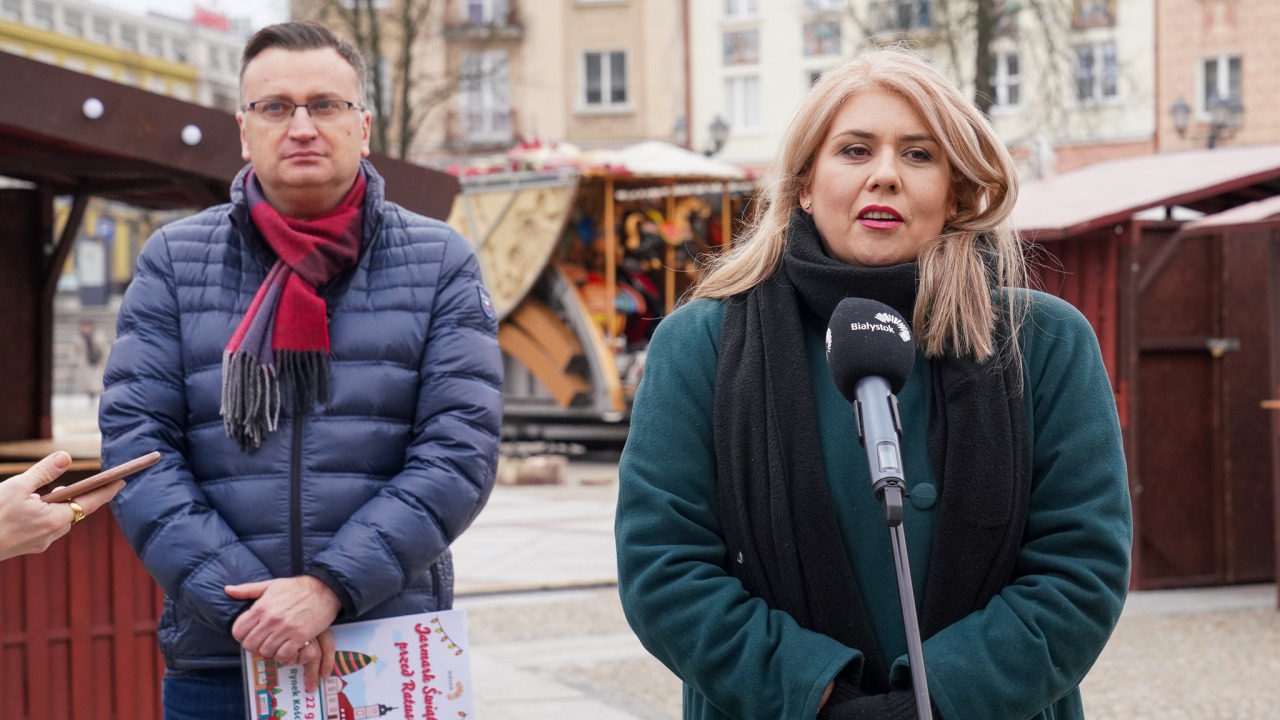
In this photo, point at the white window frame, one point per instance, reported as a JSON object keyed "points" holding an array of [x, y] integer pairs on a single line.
{"points": [[154, 44], [44, 23], [486, 98], [1098, 73], [606, 104], [1003, 80], [73, 22], [743, 117], [804, 28], [741, 9], [488, 11], [744, 32], [1222, 80], [129, 38], [100, 29], [823, 5], [11, 10]]}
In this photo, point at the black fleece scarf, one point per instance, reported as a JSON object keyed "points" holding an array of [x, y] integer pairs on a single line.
{"points": [[784, 542]]}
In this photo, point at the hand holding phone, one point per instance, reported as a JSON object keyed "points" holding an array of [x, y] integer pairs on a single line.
{"points": [[105, 477]]}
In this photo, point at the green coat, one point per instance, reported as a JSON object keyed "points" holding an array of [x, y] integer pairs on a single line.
{"points": [[1023, 656]]}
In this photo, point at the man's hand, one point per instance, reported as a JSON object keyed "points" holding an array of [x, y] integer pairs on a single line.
{"points": [[286, 616], [317, 660]]}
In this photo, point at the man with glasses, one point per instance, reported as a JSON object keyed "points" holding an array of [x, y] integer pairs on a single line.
{"points": [[320, 371]]}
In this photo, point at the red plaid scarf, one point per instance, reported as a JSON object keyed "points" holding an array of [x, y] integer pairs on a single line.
{"points": [[283, 339]]}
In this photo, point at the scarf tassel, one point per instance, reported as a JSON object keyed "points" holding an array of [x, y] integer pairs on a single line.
{"points": [[251, 391]]}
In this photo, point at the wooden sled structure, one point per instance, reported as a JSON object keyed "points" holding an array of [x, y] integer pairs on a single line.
{"points": [[583, 257]]}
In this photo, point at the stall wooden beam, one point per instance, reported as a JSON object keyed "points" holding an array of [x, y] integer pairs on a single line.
{"points": [[669, 266], [726, 220], [610, 264]]}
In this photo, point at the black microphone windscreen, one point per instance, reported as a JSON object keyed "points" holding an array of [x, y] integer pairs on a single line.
{"points": [[868, 338]]}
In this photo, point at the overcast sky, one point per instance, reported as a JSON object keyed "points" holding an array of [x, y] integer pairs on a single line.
{"points": [[262, 12]]}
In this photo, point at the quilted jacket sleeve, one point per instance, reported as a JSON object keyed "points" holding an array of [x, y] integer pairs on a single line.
{"points": [[451, 461], [185, 545]]}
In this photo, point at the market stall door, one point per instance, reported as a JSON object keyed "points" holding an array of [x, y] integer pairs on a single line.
{"points": [[1203, 503]]}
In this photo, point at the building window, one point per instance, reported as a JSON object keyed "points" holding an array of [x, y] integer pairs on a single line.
{"points": [[1220, 78], [1093, 13], [386, 99], [485, 12], [1097, 72], [155, 44], [742, 47], [739, 9], [486, 100], [742, 103], [73, 22], [1006, 84], [604, 79], [821, 5], [900, 16], [180, 51], [129, 37], [822, 38], [102, 30], [11, 10], [42, 15]]}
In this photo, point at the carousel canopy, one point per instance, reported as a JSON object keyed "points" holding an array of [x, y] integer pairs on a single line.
{"points": [[651, 159], [659, 159]]}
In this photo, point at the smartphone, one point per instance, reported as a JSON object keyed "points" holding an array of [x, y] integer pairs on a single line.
{"points": [[106, 477]]}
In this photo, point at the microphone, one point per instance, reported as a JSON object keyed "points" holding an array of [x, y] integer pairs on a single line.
{"points": [[870, 354]]}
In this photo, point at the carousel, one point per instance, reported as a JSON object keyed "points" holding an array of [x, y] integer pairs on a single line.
{"points": [[584, 253]]}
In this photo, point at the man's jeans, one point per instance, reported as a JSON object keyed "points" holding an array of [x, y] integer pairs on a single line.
{"points": [[204, 695]]}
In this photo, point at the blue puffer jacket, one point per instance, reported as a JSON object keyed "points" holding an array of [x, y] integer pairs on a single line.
{"points": [[366, 492]]}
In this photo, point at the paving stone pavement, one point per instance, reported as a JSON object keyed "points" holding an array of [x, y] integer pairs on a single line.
{"points": [[536, 575]]}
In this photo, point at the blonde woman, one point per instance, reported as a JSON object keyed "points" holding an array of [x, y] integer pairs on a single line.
{"points": [[753, 558]]}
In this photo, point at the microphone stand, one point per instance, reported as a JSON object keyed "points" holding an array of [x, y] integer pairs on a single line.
{"points": [[890, 487]]}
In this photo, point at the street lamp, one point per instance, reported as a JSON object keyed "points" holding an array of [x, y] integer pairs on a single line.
{"points": [[1225, 118], [719, 134]]}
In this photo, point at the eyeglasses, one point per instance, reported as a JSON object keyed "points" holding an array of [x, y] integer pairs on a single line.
{"points": [[319, 110]]}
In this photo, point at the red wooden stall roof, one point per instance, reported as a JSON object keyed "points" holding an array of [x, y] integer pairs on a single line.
{"points": [[1250, 215], [1109, 192]]}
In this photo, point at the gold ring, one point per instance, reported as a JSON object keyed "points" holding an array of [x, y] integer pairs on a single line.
{"points": [[77, 512]]}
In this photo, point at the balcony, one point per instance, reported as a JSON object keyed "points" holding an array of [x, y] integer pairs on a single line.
{"points": [[500, 23]]}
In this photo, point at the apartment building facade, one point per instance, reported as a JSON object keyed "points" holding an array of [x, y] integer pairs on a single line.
{"points": [[1072, 82], [595, 73], [166, 55]]}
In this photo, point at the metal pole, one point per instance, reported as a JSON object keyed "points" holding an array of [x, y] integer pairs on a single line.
{"points": [[907, 598]]}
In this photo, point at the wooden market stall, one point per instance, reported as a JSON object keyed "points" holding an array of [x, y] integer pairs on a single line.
{"points": [[583, 261], [1181, 319], [78, 622], [1254, 229]]}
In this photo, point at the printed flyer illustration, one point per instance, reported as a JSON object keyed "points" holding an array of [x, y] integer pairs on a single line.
{"points": [[415, 667]]}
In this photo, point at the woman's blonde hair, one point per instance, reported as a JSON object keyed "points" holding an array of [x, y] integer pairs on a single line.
{"points": [[977, 250]]}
